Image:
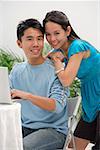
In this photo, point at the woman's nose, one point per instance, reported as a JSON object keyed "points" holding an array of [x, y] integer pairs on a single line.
{"points": [[53, 38]]}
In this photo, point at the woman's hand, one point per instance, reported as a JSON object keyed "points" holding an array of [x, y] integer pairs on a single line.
{"points": [[55, 56], [20, 94]]}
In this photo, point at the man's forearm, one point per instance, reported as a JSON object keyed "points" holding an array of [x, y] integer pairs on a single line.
{"points": [[43, 102]]}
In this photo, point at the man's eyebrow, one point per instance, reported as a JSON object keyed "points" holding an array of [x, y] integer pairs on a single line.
{"points": [[40, 36], [29, 36]]}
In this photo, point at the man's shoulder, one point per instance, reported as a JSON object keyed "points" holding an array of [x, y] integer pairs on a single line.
{"points": [[19, 67], [49, 69], [49, 63], [49, 66]]}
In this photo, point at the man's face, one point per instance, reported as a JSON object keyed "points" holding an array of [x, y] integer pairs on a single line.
{"points": [[32, 43]]}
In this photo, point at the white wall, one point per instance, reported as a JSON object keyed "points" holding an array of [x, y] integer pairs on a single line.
{"points": [[83, 15], [1, 23]]}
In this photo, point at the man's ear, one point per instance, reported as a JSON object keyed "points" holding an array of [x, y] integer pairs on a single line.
{"points": [[19, 43], [68, 30]]}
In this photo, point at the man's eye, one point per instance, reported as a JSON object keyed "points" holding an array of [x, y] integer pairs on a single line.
{"points": [[40, 38], [57, 33]]}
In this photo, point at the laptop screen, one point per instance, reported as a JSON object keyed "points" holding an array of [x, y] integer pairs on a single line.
{"points": [[5, 96]]}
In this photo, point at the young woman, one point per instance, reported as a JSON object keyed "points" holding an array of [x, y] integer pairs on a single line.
{"points": [[84, 63]]}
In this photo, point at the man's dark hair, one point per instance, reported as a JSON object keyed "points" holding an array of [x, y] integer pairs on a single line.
{"points": [[28, 23]]}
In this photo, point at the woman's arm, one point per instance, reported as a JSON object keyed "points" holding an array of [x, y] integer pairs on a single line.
{"points": [[68, 75]]}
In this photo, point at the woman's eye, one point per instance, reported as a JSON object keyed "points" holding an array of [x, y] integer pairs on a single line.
{"points": [[29, 39], [47, 34]]}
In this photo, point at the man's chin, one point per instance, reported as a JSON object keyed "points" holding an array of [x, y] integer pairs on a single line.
{"points": [[36, 56]]}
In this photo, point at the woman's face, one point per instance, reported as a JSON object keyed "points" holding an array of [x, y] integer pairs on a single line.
{"points": [[56, 35]]}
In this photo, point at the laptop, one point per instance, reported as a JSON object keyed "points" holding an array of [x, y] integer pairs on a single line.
{"points": [[5, 96]]}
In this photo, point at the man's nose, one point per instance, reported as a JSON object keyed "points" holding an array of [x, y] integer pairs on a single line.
{"points": [[35, 42]]}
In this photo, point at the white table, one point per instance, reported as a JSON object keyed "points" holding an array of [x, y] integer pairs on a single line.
{"points": [[10, 127]]}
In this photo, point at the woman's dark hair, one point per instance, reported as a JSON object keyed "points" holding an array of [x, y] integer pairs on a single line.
{"points": [[28, 23], [61, 19]]}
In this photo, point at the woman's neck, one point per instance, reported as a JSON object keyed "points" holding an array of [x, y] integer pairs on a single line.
{"points": [[66, 46]]}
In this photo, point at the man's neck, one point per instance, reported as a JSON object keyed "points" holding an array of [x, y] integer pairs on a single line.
{"points": [[36, 61]]}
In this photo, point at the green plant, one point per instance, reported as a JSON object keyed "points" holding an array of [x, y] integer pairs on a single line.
{"points": [[8, 58], [75, 88], [74, 92], [46, 48]]}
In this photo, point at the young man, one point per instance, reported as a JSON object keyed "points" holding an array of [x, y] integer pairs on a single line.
{"points": [[43, 98]]}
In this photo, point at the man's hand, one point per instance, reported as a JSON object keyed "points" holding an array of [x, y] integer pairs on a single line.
{"points": [[19, 94]]}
